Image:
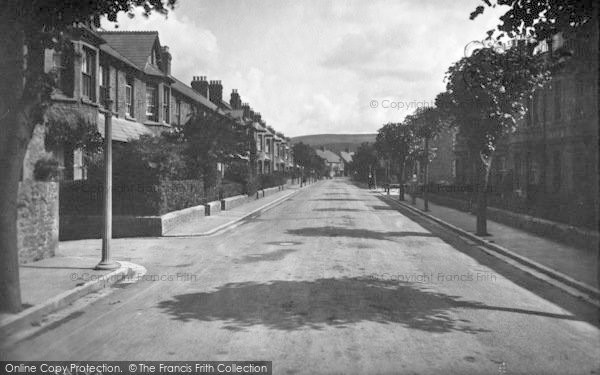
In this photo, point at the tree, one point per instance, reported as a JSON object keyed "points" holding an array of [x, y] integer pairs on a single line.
{"points": [[209, 139], [306, 157], [484, 99], [363, 161], [28, 28], [540, 20], [393, 143], [427, 124]]}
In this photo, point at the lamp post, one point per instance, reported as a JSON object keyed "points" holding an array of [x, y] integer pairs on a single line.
{"points": [[106, 263]]}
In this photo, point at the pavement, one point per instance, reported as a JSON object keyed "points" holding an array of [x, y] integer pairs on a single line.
{"points": [[577, 263], [53, 283], [330, 281]]}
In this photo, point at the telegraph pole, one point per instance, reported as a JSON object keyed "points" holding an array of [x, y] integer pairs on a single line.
{"points": [[106, 263]]}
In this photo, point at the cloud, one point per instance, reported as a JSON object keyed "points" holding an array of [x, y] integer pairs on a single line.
{"points": [[195, 50], [314, 66]]}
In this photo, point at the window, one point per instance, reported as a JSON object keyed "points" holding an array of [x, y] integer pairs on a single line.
{"points": [[518, 171], [116, 88], [556, 180], [153, 58], [557, 99], [79, 169], [529, 116], [151, 100], [178, 111], [166, 104], [259, 142], [104, 79], [268, 146], [580, 98], [533, 170], [88, 64], [129, 97], [453, 168]]}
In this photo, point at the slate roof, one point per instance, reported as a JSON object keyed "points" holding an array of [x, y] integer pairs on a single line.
{"points": [[190, 93], [346, 156], [329, 156], [134, 45], [114, 53]]}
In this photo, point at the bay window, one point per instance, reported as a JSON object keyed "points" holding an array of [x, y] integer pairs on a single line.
{"points": [[151, 103]]}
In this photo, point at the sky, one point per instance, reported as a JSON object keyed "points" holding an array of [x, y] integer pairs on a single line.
{"points": [[320, 66]]}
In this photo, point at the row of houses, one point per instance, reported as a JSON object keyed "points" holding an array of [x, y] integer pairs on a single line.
{"points": [[128, 73], [551, 161], [337, 163]]}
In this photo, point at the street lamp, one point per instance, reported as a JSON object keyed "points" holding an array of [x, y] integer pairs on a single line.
{"points": [[106, 263]]}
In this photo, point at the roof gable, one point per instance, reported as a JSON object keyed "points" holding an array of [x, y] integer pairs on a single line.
{"points": [[136, 46], [329, 156]]}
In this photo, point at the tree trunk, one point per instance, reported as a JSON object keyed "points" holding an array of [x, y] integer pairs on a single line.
{"points": [[426, 177], [401, 181], [482, 187], [11, 162], [19, 111]]}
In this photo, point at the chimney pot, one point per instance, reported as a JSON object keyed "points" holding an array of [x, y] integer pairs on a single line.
{"points": [[200, 85], [234, 100], [215, 92]]}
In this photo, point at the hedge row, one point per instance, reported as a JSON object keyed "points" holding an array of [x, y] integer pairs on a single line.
{"points": [[139, 199]]}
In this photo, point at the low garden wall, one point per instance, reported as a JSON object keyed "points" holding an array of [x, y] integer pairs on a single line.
{"points": [[235, 201], [37, 220], [570, 235], [139, 209], [212, 208]]}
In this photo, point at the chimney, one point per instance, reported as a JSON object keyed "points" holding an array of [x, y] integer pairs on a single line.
{"points": [[235, 101], [165, 58], [257, 117], [215, 92], [246, 108], [200, 85]]}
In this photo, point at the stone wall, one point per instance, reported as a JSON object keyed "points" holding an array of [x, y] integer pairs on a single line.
{"points": [[37, 222], [35, 151]]}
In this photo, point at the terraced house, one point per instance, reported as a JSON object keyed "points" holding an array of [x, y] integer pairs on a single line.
{"points": [[545, 168], [126, 74], [133, 70]]}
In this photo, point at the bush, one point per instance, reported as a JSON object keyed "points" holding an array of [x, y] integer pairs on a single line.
{"points": [[147, 160], [270, 180], [138, 199], [177, 195]]}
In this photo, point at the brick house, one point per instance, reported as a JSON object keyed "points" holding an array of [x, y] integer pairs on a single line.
{"points": [[133, 69]]}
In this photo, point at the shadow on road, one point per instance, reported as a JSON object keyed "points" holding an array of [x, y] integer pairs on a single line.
{"points": [[383, 208], [338, 209], [582, 310], [293, 305], [337, 200], [266, 257], [355, 233]]}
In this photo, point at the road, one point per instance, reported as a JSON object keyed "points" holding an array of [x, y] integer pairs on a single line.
{"points": [[330, 281]]}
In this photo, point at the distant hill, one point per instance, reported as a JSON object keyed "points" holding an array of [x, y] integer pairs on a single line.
{"points": [[335, 142]]}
